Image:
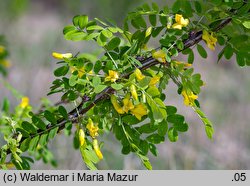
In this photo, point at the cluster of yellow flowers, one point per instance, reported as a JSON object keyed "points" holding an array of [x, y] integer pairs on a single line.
{"points": [[138, 110]]}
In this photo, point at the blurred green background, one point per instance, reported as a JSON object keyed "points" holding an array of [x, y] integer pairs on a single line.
{"points": [[33, 29]]}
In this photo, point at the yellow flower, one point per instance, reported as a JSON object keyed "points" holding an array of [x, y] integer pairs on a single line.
{"points": [[139, 111], [116, 105], [2, 49], [138, 74], [154, 80], [133, 92], [209, 39], [5, 63], [127, 103], [189, 97], [180, 22], [62, 56], [177, 63], [25, 102], [113, 76], [97, 149], [81, 71], [93, 129], [160, 55], [81, 137]]}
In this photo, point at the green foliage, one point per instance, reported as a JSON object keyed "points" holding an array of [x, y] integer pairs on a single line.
{"points": [[122, 89]]}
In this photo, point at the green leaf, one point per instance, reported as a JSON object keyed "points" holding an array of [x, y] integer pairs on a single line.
{"points": [[176, 6], [172, 134], [113, 43], [155, 138], [140, 21], [209, 131], [153, 91], [53, 132], [197, 6], [240, 60], [117, 86], [144, 82], [50, 117], [75, 35], [157, 108], [153, 149], [80, 20], [96, 81], [163, 128], [63, 112], [99, 88], [69, 28], [147, 128], [38, 122], [181, 127], [61, 71], [191, 57], [94, 27], [43, 139], [92, 58], [25, 144], [175, 118], [86, 158], [6, 105], [152, 20], [33, 143], [201, 51], [131, 120], [228, 52], [171, 110], [246, 24], [73, 80], [107, 33], [97, 66], [30, 128]]}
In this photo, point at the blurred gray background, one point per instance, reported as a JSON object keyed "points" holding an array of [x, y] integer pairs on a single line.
{"points": [[33, 29]]}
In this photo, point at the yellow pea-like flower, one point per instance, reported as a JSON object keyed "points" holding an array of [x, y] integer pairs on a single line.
{"points": [[113, 76], [154, 80], [189, 97], [93, 129], [180, 22], [209, 39], [127, 103], [139, 111], [25, 102], [176, 63], [81, 136], [62, 56], [97, 149], [139, 76], [116, 105], [133, 92]]}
